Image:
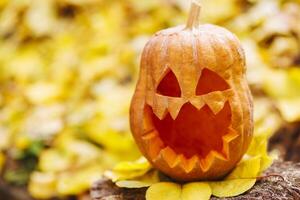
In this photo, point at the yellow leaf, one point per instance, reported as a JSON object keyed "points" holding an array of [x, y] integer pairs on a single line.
{"points": [[40, 11], [267, 120], [225, 10], [22, 141], [240, 180], [265, 162], [140, 164], [2, 160], [230, 188], [42, 185], [173, 191], [164, 191], [132, 184], [5, 136], [84, 152], [289, 109], [43, 92], [52, 160], [247, 168], [79, 181], [145, 180], [102, 131], [118, 176], [283, 84], [258, 146], [129, 170], [196, 191]]}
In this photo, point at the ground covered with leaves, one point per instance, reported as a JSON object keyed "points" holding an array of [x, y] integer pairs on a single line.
{"points": [[271, 186], [68, 70]]}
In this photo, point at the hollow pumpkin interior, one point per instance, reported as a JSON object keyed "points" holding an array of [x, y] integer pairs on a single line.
{"points": [[194, 131]]}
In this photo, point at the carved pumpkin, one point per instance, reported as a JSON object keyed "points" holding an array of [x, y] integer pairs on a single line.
{"points": [[191, 114]]}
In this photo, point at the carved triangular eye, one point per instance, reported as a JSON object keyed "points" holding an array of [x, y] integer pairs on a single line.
{"points": [[209, 82], [169, 86]]}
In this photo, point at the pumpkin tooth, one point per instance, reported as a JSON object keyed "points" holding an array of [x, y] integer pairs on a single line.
{"points": [[160, 112], [176, 164], [229, 93], [220, 155], [191, 164], [227, 139], [207, 162], [197, 102], [179, 159], [225, 149], [215, 101], [149, 98], [174, 106], [187, 165], [169, 156], [160, 105], [183, 163], [231, 135]]}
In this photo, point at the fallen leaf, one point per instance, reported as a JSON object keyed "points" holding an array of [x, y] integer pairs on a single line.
{"points": [[247, 168], [240, 180], [129, 170], [230, 188], [2, 160], [42, 185], [141, 164], [196, 191], [164, 191], [145, 180], [289, 109], [132, 184]]}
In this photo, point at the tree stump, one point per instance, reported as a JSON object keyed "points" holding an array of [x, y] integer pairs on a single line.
{"points": [[285, 186]]}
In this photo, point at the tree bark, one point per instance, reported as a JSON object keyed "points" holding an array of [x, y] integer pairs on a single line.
{"points": [[284, 186]]}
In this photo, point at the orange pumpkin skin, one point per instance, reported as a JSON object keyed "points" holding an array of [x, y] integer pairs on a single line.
{"points": [[191, 113]]}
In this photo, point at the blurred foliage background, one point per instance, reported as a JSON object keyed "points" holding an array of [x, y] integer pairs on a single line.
{"points": [[68, 69]]}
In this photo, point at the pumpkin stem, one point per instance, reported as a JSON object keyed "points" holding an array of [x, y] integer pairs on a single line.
{"points": [[193, 20]]}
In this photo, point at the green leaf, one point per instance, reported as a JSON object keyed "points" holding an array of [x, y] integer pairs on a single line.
{"points": [[164, 191], [196, 191]]}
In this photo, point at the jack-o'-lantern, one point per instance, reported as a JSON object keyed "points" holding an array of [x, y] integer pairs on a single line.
{"points": [[191, 114]]}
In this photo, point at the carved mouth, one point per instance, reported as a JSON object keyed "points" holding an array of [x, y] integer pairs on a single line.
{"points": [[194, 135]]}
